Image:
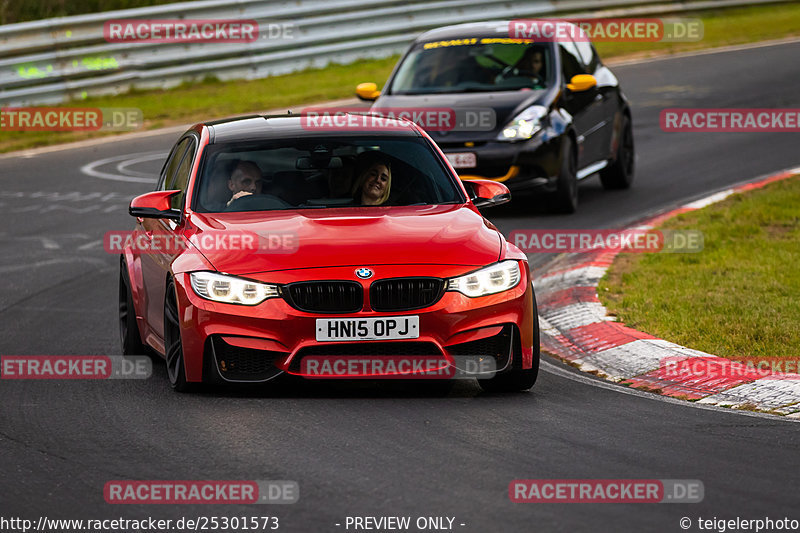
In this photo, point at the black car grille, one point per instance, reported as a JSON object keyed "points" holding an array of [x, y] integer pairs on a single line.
{"points": [[244, 364], [497, 346], [403, 294], [325, 296]]}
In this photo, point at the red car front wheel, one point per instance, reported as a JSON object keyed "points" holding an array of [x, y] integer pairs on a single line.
{"points": [[173, 346]]}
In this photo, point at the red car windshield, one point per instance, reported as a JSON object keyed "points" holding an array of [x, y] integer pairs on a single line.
{"points": [[309, 173]]}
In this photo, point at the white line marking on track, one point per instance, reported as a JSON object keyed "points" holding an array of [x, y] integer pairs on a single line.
{"points": [[708, 200], [123, 169], [90, 245], [90, 169]]}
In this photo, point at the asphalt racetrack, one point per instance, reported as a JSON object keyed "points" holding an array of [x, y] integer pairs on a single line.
{"points": [[384, 449]]}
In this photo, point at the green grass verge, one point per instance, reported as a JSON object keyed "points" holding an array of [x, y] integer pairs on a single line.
{"points": [[11, 12], [722, 27], [736, 298], [210, 99]]}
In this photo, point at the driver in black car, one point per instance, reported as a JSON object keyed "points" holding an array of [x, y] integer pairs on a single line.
{"points": [[531, 64], [245, 180]]}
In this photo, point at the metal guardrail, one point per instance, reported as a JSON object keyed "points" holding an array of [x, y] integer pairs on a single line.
{"points": [[55, 60]]}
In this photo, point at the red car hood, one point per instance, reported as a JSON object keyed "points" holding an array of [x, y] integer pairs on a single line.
{"points": [[312, 238]]}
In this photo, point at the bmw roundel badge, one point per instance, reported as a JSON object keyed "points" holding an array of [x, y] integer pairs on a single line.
{"points": [[364, 273]]}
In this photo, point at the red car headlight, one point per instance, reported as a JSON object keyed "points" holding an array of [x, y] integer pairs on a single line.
{"points": [[488, 280], [230, 289]]}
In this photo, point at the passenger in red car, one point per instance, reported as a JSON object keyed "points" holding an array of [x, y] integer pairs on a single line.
{"points": [[373, 182]]}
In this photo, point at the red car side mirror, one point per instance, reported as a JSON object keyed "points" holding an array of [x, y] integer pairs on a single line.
{"points": [[487, 193], [155, 205]]}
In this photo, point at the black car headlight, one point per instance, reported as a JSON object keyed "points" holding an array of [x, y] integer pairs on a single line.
{"points": [[525, 125], [492, 279]]}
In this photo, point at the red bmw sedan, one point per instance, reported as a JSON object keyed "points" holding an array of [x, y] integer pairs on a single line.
{"points": [[273, 246]]}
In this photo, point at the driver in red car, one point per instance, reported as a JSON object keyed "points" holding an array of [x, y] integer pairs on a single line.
{"points": [[245, 180]]}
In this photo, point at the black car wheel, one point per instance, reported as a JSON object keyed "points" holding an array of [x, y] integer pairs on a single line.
{"points": [[515, 380], [129, 335], [619, 175], [173, 346], [566, 195]]}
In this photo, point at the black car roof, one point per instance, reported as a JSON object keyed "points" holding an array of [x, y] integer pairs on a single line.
{"points": [[264, 127]]}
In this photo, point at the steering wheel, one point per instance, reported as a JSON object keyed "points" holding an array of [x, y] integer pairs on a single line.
{"points": [[512, 71], [257, 202]]}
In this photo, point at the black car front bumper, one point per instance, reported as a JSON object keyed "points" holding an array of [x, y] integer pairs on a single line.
{"points": [[525, 165]]}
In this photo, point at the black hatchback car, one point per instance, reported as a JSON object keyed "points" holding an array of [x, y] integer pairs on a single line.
{"points": [[558, 114]]}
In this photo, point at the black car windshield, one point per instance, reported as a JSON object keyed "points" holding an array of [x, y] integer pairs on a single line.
{"points": [[323, 172], [474, 64]]}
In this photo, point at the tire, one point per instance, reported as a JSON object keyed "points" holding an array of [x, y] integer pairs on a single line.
{"points": [[566, 195], [173, 347], [130, 338], [619, 175], [517, 379]]}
